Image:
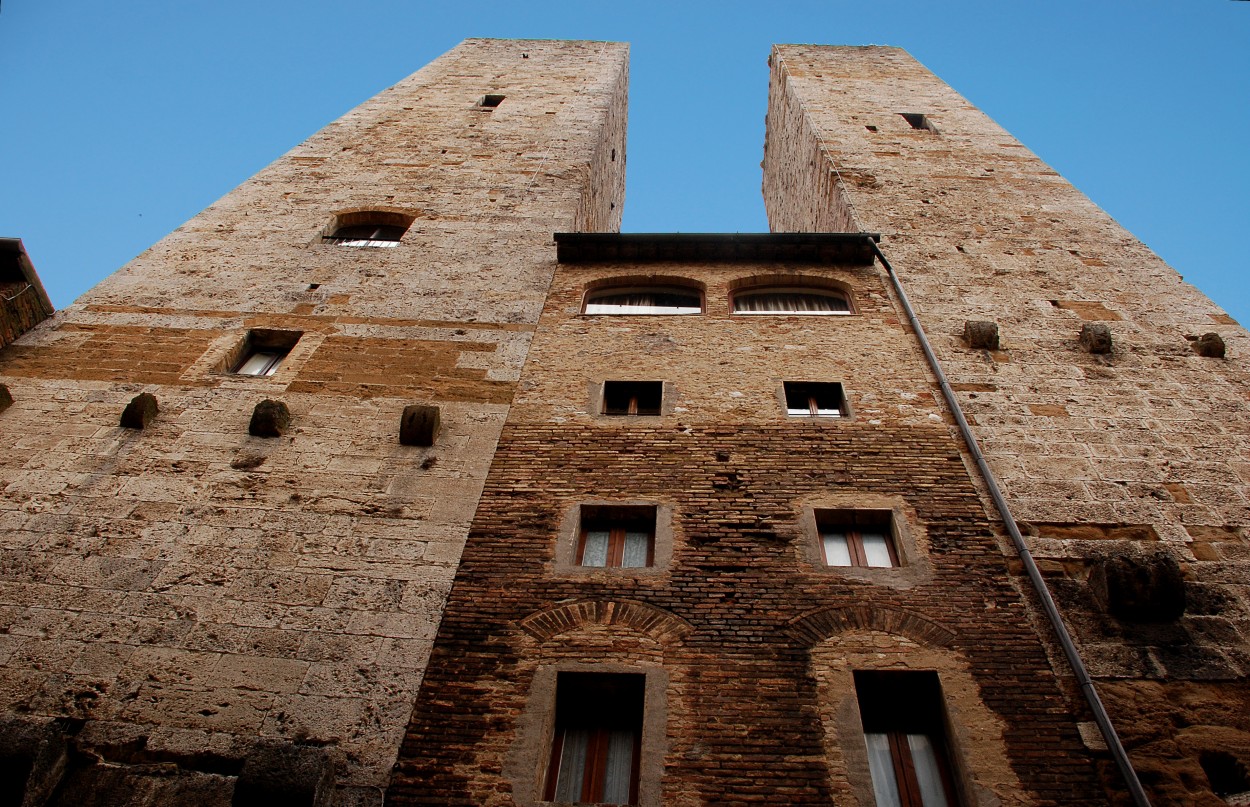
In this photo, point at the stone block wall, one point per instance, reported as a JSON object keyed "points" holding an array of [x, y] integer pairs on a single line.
{"points": [[180, 598], [1103, 456]]}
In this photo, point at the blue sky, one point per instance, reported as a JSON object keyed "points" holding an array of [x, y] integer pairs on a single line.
{"points": [[123, 119]]}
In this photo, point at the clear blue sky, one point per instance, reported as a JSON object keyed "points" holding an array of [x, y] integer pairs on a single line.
{"points": [[123, 119]]}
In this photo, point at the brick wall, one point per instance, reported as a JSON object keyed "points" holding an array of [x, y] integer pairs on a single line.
{"points": [[752, 635]]}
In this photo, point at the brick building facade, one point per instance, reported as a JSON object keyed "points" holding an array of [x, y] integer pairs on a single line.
{"points": [[425, 507]]}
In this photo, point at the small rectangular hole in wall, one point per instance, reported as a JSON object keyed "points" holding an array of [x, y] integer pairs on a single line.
{"points": [[490, 101], [632, 397], [871, 128], [918, 121]]}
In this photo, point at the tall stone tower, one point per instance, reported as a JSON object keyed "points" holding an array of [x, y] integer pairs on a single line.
{"points": [[197, 611], [1112, 408]]}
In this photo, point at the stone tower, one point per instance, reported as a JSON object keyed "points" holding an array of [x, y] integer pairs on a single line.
{"points": [[649, 519], [187, 606], [1112, 408]]}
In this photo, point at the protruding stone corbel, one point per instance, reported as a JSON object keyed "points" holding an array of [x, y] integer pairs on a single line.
{"points": [[419, 425], [6, 398], [1096, 337], [981, 334], [140, 412], [270, 418]]}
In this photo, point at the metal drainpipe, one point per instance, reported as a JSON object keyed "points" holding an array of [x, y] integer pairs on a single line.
{"points": [[1035, 577]]}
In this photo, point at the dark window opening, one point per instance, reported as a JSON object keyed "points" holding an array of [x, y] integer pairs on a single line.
{"points": [[905, 732], [263, 352], [490, 101], [632, 397], [918, 121], [616, 537], [862, 538], [871, 128], [815, 399], [597, 741]]}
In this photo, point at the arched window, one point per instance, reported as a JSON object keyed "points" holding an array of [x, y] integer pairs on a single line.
{"points": [[644, 300], [370, 228], [791, 300]]}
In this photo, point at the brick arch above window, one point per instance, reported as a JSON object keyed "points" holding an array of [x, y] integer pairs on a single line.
{"points": [[640, 617], [823, 623]]}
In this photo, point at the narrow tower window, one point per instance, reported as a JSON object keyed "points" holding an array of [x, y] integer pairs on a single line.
{"points": [[368, 229], [905, 731], [263, 351], [597, 742], [490, 101], [919, 121]]}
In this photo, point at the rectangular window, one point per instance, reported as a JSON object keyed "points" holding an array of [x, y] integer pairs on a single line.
{"points": [[263, 351], [632, 397], [920, 121], [857, 538], [621, 537], [815, 399], [905, 731], [596, 744], [490, 101]]}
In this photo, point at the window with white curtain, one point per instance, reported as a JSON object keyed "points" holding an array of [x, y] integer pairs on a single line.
{"points": [[791, 300], [862, 538], [617, 537], [904, 722], [644, 300], [596, 743]]}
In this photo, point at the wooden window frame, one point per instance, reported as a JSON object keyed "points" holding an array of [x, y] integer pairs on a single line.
{"points": [[616, 542], [916, 709], [594, 775], [852, 524]]}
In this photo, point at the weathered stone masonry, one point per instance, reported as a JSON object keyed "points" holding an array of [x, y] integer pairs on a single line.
{"points": [[206, 614]]}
